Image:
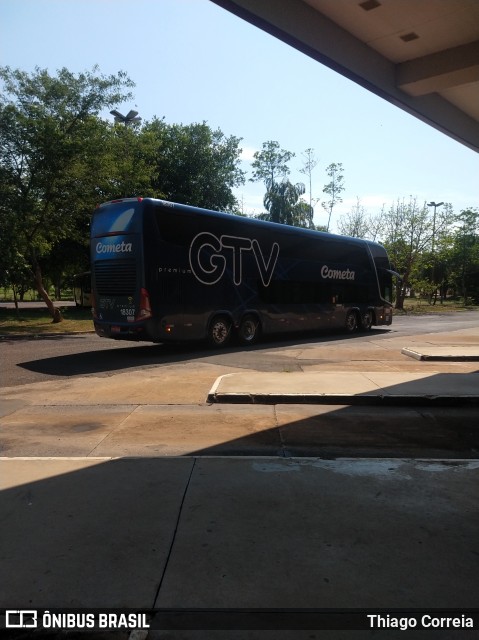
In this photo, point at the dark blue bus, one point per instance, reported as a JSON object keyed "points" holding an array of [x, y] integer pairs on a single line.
{"points": [[164, 271]]}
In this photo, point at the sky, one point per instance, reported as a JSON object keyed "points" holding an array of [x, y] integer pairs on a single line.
{"points": [[192, 61]]}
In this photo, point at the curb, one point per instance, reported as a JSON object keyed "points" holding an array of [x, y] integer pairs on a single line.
{"points": [[418, 355], [352, 400]]}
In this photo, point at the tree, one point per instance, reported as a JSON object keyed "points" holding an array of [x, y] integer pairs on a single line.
{"points": [[51, 142], [281, 201], [437, 257], [376, 225], [195, 164], [302, 213], [465, 254], [270, 164], [355, 223], [130, 163], [407, 233], [333, 189], [14, 271], [309, 163]]}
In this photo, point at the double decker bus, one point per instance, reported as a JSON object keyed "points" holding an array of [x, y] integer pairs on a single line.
{"points": [[165, 271]]}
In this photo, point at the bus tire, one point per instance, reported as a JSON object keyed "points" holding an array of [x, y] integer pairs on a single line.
{"points": [[351, 324], [219, 331], [367, 321], [249, 330]]}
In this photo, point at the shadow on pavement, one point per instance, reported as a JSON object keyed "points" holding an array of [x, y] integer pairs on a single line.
{"points": [[330, 432], [141, 354], [210, 532], [87, 532], [104, 360]]}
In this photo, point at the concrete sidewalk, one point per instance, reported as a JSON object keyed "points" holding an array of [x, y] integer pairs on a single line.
{"points": [[333, 387], [242, 532], [164, 412], [411, 388]]}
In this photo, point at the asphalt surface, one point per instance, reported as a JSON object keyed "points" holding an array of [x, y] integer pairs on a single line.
{"points": [[137, 490]]}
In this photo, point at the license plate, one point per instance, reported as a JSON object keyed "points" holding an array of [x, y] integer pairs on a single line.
{"points": [[115, 329]]}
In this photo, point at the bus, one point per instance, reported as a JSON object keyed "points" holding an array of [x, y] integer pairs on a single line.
{"points": [[163, 271], [82, 289]]}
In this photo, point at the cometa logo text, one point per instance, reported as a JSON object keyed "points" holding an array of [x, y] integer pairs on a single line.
{"points": [[119, 247], [337, 274]]}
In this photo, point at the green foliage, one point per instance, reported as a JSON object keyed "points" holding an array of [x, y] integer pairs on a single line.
{"points": [[270, 164], [309, 164], [333, 189], [59, 159], [465, 255], [281, 201], [435, 251], [52, 152], [282, 197], [407, 233], [127, 164], [355, 223], [195, 165]]}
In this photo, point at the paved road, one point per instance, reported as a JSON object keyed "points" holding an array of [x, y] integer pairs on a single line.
{"points": [[26, 361]]}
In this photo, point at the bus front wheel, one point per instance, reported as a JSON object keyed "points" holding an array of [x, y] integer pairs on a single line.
{"points": [[249, 330], [351, 323], [219, 332]]}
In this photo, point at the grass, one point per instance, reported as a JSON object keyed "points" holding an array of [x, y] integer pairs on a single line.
{"points": [[418, 306], [31, 295], [39, 321]]}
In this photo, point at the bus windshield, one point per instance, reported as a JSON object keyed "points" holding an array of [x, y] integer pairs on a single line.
{"points": [[116, 218]]}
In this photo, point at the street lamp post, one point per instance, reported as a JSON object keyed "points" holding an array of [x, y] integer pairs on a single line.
{"points": [[130, 118], [435, 205]]}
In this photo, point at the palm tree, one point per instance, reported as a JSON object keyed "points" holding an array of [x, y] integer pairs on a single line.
{"points": [[281, 198]]}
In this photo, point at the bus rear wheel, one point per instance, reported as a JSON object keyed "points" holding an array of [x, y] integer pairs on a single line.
{"points": [[219, 331], [249, 330], [367, 321], [351, 323]]}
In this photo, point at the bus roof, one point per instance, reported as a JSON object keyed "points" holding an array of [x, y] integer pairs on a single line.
{"points": [[284, 228]]}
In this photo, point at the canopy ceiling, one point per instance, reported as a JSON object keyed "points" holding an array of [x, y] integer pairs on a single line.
{"points": [[420, 55]]}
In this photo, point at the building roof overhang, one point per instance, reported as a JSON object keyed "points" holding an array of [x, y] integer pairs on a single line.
{"points": [[421, 56]]}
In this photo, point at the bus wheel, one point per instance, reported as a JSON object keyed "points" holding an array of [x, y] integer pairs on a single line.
{"points": [[351, 323], [367, 321], [219, 332], [249, 330]]}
